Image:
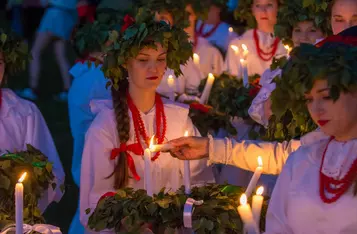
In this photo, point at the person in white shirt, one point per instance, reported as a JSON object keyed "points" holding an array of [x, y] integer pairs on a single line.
{"points": [[115, 142], [21, 122]]}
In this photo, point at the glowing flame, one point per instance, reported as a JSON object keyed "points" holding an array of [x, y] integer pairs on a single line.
{"points": [[260, 190], [287, 47], [230, 29], [152, 142], [242, 60], [22, 178], [210, 76], [235, 48], [243, 199], [245, 48], [196, 58], [170, 77], [260, 161], [186, 134]]}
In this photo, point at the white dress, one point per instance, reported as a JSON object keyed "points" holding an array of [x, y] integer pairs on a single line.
{"points": [[21, 123], [221, 37], [210, 61], [255, 64], [296, 206], [167, 172]]}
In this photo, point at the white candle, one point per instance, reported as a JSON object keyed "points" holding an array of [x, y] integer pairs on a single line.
{"points": [[171, 84], [196, 59], [257, 204], [245, 72], [255, 178], [246, 215], [187, 173], [147, 169], [161, 148], [207, 89], [19, 204]]}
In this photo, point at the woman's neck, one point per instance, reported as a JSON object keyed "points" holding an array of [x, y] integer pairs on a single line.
{"points": [[347, 136], [144, 100], [266, 29]]}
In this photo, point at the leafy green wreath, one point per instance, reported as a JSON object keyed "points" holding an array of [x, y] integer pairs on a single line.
{"points": [[200, 7], [40, 178], [334, 62], [15, 52], [145, 32], [294, 11], [129, 209]]}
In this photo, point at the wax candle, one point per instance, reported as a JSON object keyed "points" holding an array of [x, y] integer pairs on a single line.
{"points": [[207, 89], [19, 204], [255, 178], [147, 169], [161, 148], [187, 173], [196, 59], [245, 72], [246, 215], [257, 204], [171, 84]]}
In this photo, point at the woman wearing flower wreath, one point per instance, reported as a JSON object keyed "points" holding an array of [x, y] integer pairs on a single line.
{"points": [[262, 45], [183, 13], [21, 122], [115, 142], [212, 28]]}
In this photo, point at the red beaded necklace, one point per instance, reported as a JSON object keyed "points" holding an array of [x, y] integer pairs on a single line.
{"points": [[139, 126], [333, 186], [263, 55], [210, 32]]}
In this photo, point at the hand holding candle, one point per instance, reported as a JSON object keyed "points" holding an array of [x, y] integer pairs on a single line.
{"points": [[187, 173], [207, 89], [257, 204], [19, 204], [255, 178], [246, 215]]}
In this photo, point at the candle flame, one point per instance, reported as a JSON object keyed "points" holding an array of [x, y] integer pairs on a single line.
{"points": [[186, 134], [260, 161], [210, 76], [245, 48], [243, 199], [235, 48], [196, 57], [170, 77], [152, 142], [230, 29], [22, 178], [287, 47], [260, 190], [242, 60]]}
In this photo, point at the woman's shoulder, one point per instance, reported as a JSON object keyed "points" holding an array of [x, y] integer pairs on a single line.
{"points": [[14, 105]]}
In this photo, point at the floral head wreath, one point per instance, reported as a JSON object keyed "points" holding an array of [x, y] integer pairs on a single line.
{"points": [[143, 32], [244, 12], [294, 11], [334, 59], [14, 51]]}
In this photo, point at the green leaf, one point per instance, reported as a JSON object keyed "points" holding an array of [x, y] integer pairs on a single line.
{"points": [[3, 38], [4, 182], [5, 164], [49, 167]]}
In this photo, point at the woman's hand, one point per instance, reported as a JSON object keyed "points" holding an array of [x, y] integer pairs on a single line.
{"points": [[189, 148]]}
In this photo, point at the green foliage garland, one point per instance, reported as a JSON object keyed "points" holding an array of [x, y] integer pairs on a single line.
{"points": [[39, 179], [129, 209], [146, 32], [294, 11], [15, 52]]}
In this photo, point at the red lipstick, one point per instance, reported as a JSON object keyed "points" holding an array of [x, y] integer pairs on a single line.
{"points": [[323, 122], [153, 78]]}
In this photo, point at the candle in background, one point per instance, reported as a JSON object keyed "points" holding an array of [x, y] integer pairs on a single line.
{"points": [[243, 63], [230, 29], [196, 59], [19, 204], [207, 89], [187, 173], [246, 215], [245, 51], [257, 204], [255, 178], [171, 84], [236, 49], [147, 169], [288, 49]]}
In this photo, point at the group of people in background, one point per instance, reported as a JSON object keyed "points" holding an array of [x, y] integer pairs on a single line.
{"points": [[116, 98]]}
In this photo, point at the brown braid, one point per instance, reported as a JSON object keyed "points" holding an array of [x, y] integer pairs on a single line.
{"points": [[120, 104]]}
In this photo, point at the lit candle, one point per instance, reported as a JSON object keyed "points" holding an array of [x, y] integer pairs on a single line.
{"points": [[147, 169], [235, 49], [196, 59], [257, 204], [255, 178], [19, 204], [246, 215], [161, 148], [230, 29], [207, 89], [171, 83], [244, 66], [245, 51], [187, 173], [288, 49]]}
